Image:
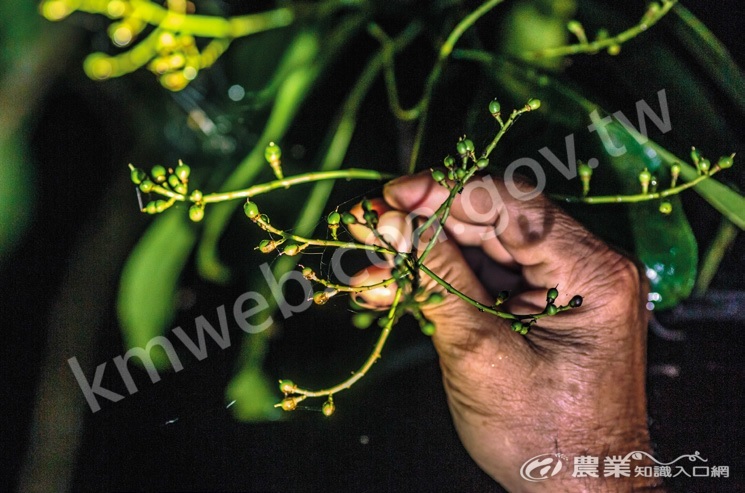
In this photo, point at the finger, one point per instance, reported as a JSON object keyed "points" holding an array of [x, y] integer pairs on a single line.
{"points": [[377, 298], [394, 228]]}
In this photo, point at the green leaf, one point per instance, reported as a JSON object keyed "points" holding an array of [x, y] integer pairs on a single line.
{"points": [[664, 243], [147, 290]]}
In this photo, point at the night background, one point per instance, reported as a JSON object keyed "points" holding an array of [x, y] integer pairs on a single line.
{"points": [[72, 220]]}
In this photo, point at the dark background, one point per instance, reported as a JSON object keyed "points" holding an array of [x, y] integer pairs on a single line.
{"points": [[392, 431]]}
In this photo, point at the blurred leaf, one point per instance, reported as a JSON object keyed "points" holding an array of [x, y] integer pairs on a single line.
{"points": [[16, 189], [711, 54], [254, 395], [147, 289], [534, 26], [664, 243]]}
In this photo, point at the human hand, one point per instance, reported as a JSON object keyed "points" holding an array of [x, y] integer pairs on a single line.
{"points": [[575, 383]]}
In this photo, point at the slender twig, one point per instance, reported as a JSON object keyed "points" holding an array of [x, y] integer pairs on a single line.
{"points": [[374, 356], [263, 224], [627, 199], [651, 17]]}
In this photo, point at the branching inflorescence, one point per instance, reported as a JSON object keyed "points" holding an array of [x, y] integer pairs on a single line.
{"points": [[407, 266], [170, 50]]}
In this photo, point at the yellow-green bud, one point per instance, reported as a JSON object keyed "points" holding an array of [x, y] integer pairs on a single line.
{"points": [[533, 104], [196, 213], [272, 153], [328, 407], [726, 161], [644, 178]]}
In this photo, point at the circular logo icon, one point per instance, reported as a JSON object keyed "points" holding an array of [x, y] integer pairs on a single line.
{"points": [[541, 467]]}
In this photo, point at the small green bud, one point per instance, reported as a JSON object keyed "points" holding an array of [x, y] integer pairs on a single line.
{"points": [[181, 188], [449, 161], [576, 301], [644, 178], [158, 173], [726, 161], [494, 108], [328, 408], [196, 196], [533, 104], [551, 295], [674, 174], [460, 173], [333, 218], [695, 156], [251, 209], [469, 145], [287, 386], [348, 218], [289, 403], [482, 163], [704, 165], [266, 246], [517, 326], [451, 175], [585, 174], [614, 50], [160, 206], [291, 249], [146, 186], [196, 213], [666, 208], [173, 180], [272, 153], [363, 320], [584, 170], [151, 208], [308, 273], [551, 309], [320, 298], [434, 298], [438, 175], [182, 172], [461, 148], [502, 297], [427, 328], [371, 217], [137, 176]]}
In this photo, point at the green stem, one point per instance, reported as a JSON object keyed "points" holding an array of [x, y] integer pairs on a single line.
{"points": [[445, 50], [323, 243], [482, 307], [627, 199], [314, 176]]}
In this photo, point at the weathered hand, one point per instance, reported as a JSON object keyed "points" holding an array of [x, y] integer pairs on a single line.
{"points": [[575, 383]]}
